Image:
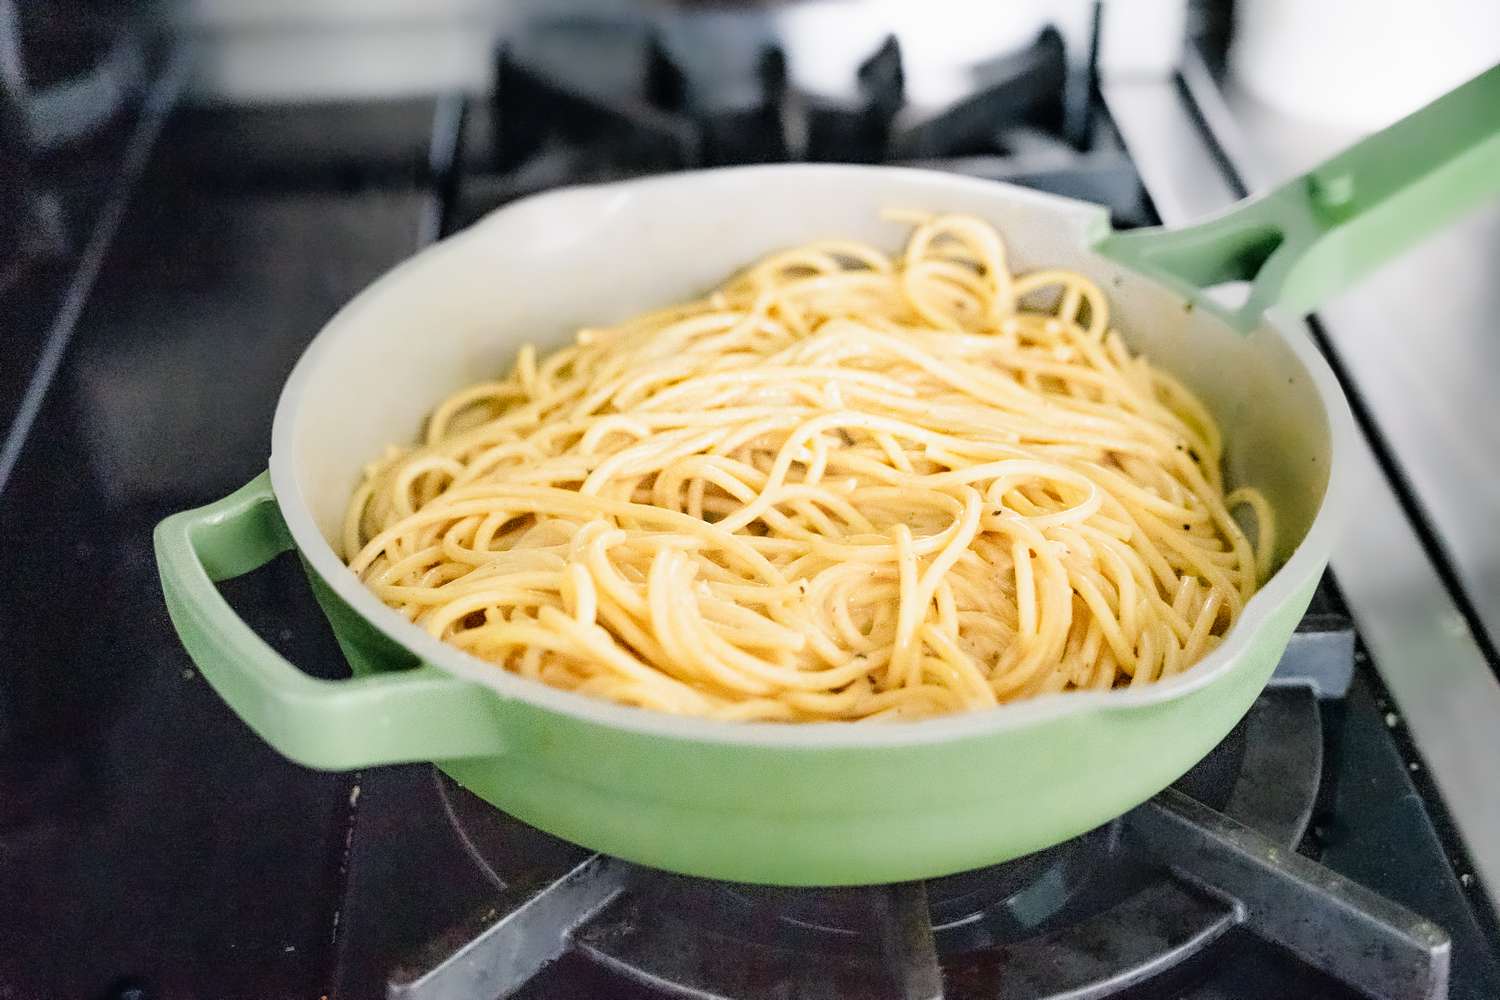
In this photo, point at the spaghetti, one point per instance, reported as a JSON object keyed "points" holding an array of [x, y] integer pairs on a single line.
{"points": [[844, 485]]}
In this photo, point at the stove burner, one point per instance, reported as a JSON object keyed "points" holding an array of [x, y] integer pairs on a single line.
{"points": [[584, 100], [1022, 893], [1101, 913]]}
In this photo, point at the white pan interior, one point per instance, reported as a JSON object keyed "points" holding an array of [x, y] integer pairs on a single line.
{"points": [[539, 269]]}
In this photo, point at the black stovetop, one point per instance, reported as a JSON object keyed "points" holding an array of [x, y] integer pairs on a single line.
{"points": [[151, 846]]}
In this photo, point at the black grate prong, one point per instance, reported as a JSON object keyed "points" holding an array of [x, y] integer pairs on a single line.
{"points": [[1368, 942], [908, 948], [514, 948]]}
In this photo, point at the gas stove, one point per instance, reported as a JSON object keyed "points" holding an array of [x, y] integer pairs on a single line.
{"points": [[150, 846]]}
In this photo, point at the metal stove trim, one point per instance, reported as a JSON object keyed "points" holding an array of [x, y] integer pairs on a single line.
{"points": [[1409, 621]]}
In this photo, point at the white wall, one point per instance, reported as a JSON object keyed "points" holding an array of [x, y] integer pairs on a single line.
{"points": [[291, 50], [308, 50]]}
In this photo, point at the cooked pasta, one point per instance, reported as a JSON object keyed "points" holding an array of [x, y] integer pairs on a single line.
{"points": [[843, 486]]}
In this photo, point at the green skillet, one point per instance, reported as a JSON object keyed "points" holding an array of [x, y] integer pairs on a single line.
{"points": [[821, 803]]}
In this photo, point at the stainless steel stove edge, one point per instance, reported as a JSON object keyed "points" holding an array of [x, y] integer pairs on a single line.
{"points": [[1427, 656]]}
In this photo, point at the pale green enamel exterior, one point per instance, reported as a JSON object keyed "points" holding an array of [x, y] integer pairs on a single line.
{"points": [[829, 816]]}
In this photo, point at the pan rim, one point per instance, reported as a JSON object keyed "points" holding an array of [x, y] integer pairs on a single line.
{"points": [[1306, 560]]}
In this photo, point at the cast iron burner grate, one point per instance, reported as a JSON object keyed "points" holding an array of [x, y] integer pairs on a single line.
{"points": [[584, 99], [1093, 917]]}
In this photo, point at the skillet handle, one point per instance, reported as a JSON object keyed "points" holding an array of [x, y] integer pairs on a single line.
{"points": [[1317, 234], [341, 725]]}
